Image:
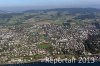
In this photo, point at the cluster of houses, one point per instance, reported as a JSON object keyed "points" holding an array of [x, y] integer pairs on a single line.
{"points": [[21, 41]]}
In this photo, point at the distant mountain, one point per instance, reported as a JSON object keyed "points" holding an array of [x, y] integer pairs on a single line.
{"points": [[70, 10], [6, 12], [2, 12]]}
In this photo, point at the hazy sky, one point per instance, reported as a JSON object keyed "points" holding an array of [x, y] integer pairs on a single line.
{"points": [[36, 4]]}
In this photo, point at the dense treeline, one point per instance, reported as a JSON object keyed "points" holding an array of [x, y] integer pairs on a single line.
{"points": [[93, 43]]}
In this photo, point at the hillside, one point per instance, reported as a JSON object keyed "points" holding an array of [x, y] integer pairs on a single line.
{"points": [[55, 15]]}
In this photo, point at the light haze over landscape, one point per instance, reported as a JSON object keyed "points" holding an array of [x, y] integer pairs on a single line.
{"points": [[49, 31], [47, 4]]}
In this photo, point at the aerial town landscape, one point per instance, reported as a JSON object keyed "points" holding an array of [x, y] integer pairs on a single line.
{"points": [[33, 35]]}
